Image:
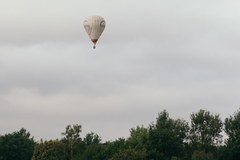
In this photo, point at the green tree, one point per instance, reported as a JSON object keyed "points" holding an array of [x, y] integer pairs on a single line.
{"points": [[91, 138], [50, 150], [232, 129], [93, 150], [138, 138], [205, 132], [167, 137], [111, 148], [72, 137], [130, 154], [17, 145]]}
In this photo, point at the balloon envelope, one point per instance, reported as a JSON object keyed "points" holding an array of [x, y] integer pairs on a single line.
{"points": [[94, 26]]}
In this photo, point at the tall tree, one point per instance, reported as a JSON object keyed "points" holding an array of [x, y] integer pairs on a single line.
{"points": [[167, 137], [16, 145], [138, 138], [111, 148], [93, 149], [72, 137], [205, 132], [232, 129], [91, 138]]}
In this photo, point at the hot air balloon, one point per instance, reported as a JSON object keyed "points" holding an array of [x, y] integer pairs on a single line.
{"points": [[94, 26]]}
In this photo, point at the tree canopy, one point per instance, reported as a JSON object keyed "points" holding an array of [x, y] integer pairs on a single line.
{"points": [[165, 139], [17, 145]]}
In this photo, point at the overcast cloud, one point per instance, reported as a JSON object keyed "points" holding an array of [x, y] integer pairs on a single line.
{"points": [[181, 56]]}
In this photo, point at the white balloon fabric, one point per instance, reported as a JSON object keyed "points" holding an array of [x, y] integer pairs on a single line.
{"points": [[94, 26]]}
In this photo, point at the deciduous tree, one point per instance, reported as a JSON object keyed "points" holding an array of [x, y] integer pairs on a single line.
{"points": [[167, 137], [16, 145], [205, 129], [72, 137], [138, 138], [50, 150], [232, 129]]}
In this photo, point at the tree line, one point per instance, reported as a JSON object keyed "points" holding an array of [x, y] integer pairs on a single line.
{"points": [[164, 139]]}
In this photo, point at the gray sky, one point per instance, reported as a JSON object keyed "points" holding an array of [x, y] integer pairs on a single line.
{"points": [[181, 56]]}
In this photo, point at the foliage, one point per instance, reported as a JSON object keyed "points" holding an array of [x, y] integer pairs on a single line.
{"points": [[72, 137], [205, 132], [166, 137], [201, 155], [91, 152], [92, 148], [17, 145], [113, 147], [91, 138], [138, 138], [130, 154], [50, 150], [232, 129]]}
